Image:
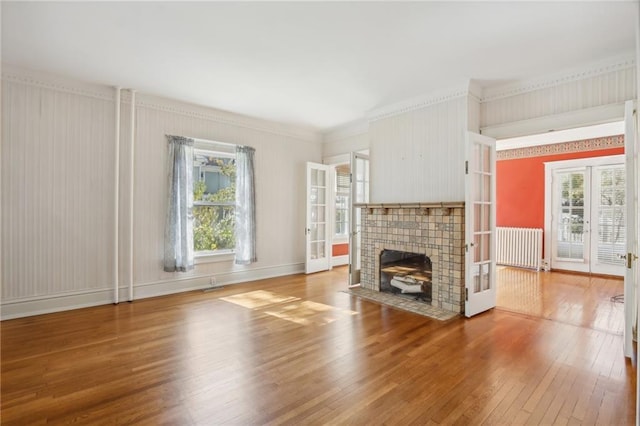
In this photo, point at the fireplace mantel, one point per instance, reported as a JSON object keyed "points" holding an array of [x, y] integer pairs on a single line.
{"points": [[425, 208]]}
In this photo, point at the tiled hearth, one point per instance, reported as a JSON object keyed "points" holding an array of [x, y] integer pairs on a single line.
{"points": [[436, 232]]}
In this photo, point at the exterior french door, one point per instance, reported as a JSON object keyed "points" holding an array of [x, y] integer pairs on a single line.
{"points": [[588, 222]]}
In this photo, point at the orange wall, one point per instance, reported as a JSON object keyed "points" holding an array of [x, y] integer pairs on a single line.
{"points": [[340, 249], [520, 187]]}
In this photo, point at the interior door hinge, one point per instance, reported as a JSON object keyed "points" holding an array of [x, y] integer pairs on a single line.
{"points": [[466, 167], [466, 294]]}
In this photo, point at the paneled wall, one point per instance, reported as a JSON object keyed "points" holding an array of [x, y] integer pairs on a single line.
{"points": [[594, 86], [418, 156], [58, 192]]}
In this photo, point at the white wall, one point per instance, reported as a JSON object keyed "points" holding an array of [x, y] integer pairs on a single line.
{"points": [[57, 193], [418, 156]]}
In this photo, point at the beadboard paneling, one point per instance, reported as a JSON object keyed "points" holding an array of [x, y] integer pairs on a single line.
{"points": [[570, 94], [280, 162], [58, 189], [418, 156], [57, 192]]}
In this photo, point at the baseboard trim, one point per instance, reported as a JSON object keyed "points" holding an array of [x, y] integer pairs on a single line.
{"points": [[67, 302]]}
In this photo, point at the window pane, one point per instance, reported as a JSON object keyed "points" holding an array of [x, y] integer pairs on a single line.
{"points": [[214, 198]]}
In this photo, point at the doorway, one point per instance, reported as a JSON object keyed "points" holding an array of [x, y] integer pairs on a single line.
{"points": [[585, 219]]}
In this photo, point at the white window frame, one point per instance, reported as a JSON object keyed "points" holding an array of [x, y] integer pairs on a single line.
{"points": [[220, 150]]}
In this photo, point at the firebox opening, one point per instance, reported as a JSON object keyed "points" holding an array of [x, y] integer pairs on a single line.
{"points": [[406, 274]]}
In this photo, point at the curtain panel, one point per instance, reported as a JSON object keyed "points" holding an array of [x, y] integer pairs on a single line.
{"points": [[245, 214], [178, 234]]}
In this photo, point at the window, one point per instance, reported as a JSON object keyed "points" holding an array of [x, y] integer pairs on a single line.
{"points": [[343, 184], [214, 175]]}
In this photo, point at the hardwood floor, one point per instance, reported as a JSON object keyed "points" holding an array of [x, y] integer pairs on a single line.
{"points": [[581, 300], [296, 350]]}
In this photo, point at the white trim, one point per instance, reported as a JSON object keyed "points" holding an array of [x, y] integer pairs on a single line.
{"points": [[335, 160], [568, 120], [59, 83], [204, 257], [65, 302], [557, 79], [69, 85], [225, 117], [419, 102]]}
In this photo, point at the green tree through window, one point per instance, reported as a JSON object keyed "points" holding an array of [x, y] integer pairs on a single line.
{"points": [[214, 201]]}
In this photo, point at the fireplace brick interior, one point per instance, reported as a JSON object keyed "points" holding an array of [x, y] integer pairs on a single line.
{"points": [[436, 233]]}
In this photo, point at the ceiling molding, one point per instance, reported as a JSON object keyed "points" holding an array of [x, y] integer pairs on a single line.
{"points": [[593, 70], [418, 102], [353, 128], [230, 118], [49, 81], [68, 85]]}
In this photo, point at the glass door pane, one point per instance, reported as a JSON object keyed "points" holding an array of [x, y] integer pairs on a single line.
{"points": [[570, 237]]}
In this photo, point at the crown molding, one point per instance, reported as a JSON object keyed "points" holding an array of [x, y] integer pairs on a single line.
{"points": [[418, 102], [610, 65], [58, 83], [224, 117], [347, 130]]}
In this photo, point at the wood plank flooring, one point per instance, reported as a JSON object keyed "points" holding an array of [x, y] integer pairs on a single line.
{"points": [[296, 350]]}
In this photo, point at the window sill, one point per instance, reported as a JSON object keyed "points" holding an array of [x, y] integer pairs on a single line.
{"points": [[340, 240], [214, 256]]}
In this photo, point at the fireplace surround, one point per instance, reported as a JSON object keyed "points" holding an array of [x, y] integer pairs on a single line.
{"points": [[436, 232]]}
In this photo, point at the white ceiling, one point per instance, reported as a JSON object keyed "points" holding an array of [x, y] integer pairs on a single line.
{"points": [[316, 64]]}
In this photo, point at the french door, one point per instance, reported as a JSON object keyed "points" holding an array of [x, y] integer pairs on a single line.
{"points": [[359, 194], [588, 218], [318, 241], [480, 224]]}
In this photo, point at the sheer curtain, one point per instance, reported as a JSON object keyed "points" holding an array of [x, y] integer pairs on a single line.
{"points": [[178, 233], [245, 206]]}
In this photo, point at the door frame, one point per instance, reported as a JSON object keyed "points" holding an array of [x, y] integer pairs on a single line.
{"points": [[549, 168]]}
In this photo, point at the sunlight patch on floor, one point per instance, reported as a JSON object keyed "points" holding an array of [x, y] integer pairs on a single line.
{"points": [[307, 312], [289, 308], [258, 299]]}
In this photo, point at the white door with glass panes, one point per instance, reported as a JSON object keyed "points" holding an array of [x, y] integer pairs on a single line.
{"points": [[480, 224], [317, 230], [359, 194], [630, 257], [588, 215]]}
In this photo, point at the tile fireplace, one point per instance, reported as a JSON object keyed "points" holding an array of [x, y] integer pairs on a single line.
{"points": [[436, 233]]}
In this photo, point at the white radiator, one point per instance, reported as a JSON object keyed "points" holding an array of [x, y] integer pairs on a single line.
{"points": [[520, 247]]}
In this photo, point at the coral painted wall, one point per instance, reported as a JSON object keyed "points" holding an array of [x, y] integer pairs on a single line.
{"points": [[520, 187], [340, 249]]}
